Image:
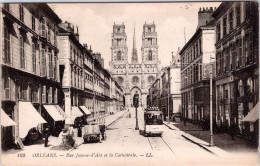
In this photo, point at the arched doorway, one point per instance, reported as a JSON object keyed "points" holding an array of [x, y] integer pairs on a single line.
{"points": [[132, 92]]}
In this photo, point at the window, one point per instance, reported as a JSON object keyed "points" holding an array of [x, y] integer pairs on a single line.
{"points": [[218, 32], [43, 63], [150, 55], [240, 88], [50, 65], [33, 23], [33, 57], [34, 93], [43, 27], [23, 91], [149, 41], [224, 25], [21, 11], [7, 91], [135, 80], [149, 29], [248, 9], [6, 6], [70, 52], [233, 65], [55, 95], [238, 14], [55, 67], [49, 33], [118, 30], [231, 20], [72, 76], [7, 43], [50, 95], [251, 47], [119, 56], [22, 56], [44, 94]]}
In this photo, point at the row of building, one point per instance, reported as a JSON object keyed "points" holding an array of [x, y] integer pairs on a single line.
{"points": [[49, 77], [224, 46]]}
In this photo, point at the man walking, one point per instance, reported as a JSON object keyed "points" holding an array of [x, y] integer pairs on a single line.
{"points": [[46, 135]]}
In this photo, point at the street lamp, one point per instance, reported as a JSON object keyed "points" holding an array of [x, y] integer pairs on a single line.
{"points": [[136, 102], [169, 100]]}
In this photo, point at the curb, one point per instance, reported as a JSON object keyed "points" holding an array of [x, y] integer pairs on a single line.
{"points": [[203, 147], [117, 118]]}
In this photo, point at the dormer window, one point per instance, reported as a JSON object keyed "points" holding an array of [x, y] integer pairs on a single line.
{"points": [[118, 30], [149, 29]]}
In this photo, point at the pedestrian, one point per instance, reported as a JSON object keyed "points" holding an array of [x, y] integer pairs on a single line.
{"points": [[47, 133]]}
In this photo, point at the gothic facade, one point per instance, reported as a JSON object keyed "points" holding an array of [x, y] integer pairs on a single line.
{"points": [[135, 76]]}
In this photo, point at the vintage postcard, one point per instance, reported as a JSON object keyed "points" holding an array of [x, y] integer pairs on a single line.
{"points": [[158, 83]]}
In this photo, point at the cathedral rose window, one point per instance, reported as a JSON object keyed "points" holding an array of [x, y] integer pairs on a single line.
{"points": [[151, 79], [135, 80], [120, 80]]}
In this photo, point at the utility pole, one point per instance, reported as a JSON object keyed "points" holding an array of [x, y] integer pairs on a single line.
{"points": [[211, 108]]}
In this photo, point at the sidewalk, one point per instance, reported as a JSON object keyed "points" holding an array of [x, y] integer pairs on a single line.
{"points": [[109, 120], [222, 141], [53, 141]]}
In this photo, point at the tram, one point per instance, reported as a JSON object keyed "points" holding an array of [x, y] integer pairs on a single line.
{"points": [[153, 122]]}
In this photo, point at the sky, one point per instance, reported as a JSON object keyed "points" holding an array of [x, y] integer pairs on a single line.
{"points": [[95, 22]]}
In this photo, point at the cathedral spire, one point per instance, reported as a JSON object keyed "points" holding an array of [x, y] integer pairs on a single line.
{"points": [[134, 52]]}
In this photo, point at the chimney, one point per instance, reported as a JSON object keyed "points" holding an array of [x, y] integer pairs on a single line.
{"points": [[204, 16], [77, 33]]}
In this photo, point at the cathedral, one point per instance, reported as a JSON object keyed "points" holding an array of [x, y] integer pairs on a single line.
{"points": [[134, 76]]}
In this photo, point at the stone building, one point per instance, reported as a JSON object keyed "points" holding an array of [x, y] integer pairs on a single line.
{"points": [[30, 72], [165, 91], [135, 76], [71, 60], [196, 56], [237, 65]]}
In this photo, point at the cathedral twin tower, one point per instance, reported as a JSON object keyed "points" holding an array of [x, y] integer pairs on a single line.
{"points": [[134, 76]]}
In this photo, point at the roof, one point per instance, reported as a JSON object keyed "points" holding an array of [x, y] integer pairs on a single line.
{"points": [[209, 26], [47, 10], [222, 8]]}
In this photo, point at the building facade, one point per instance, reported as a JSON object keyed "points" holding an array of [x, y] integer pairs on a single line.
{"points": [[30, 72], [134, 76], [197, 56], [165, 91], [237, 65]]}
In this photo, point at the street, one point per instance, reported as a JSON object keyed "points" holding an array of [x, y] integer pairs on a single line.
{"points": [[124, 142]]}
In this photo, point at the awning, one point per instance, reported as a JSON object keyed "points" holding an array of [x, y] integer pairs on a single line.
{"points": [[63, 114], [53, 112], [6, 120], [85, 109], [253, 115], [75, 112], [28, 118]]}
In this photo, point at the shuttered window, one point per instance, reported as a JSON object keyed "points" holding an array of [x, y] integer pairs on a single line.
{"points": [[50, 95], [50, 65], [7, 95], [7, 42], [43, 27], [43, 94], [33, 57], [22, 56], [43, 63]]}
